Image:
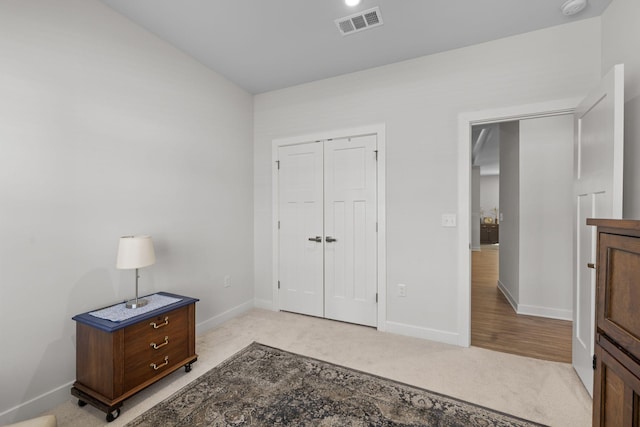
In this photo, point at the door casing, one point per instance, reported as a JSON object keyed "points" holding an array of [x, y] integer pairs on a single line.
{"points": [[465, 122], [379, 130]]}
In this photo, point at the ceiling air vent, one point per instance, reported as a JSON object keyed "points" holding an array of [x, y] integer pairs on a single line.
{"points": [[360, 21]]}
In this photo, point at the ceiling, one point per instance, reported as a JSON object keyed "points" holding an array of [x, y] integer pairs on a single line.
{"points": [[485, 141], [263, 45]]}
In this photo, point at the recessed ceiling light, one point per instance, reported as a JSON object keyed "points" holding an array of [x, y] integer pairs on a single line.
{"points": [[352, 2]]}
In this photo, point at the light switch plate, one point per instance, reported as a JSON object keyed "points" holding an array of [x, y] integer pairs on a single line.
{"points": [[448, 220]]}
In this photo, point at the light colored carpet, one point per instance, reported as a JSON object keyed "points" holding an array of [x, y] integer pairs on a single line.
{"points": [[546, 392]]}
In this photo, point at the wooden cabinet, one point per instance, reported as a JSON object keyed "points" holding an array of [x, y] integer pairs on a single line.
{"points": [[616, 392], [489, 234], [115, 360]]}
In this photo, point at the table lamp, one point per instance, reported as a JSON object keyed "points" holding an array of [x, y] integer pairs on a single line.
{"points": [[135, 252]]}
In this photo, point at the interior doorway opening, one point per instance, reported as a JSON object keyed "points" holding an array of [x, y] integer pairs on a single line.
{"points": [[521, 209]]}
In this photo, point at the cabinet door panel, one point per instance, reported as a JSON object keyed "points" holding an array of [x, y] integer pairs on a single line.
{"points": [[616, 391], [619, 290]]}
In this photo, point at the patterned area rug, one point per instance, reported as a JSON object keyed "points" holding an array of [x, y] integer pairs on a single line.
{"points": [[265, 386]]}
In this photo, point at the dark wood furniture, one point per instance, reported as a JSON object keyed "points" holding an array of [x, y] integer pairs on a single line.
{"points": [[616, 392], [115, 360], [489, 233]]}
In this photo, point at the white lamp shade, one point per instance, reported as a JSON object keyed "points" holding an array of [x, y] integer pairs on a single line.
{"points": [[135, 252]]}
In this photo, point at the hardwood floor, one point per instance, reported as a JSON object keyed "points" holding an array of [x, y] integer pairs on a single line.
{"points": [[496, 326]]}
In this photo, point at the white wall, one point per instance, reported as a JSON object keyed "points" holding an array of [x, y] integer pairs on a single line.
{"points": [[509, 265], [489, 194], [546, 217], [420, 100], [621, 44], [106, 131]]}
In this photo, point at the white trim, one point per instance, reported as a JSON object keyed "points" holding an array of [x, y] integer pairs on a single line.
{"points": [[618, 141], [223, 317], [382, 226], [36, 406], [548, 312], [508, 296], [424, 333], [465, 121], [275, 243], [534, 310], [376, 129]]}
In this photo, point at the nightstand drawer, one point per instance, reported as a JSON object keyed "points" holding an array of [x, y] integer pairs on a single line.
{"points": [[140, 336], [142, 366], [155, 345]]}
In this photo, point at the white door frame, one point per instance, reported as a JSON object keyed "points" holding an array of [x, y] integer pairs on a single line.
{"points": [[376, 129], [465, 122]]}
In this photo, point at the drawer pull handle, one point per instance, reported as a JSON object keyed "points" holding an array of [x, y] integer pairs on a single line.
{"points": [[157, 346], [156, 326], [156, 367]]}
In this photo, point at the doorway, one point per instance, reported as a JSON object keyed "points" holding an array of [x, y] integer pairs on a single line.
{"points": [[329, 225], [495, 325], [465, 123], [521, 288]]}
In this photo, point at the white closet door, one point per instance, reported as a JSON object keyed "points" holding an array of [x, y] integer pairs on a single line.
{"points": [[350, 230], [300, 215]]}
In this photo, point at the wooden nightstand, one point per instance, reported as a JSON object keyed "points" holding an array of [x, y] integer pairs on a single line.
{"points": [[115, 360], [489, 234]]}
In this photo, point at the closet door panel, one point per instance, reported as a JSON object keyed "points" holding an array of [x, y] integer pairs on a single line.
{"points": [[350, 230], [300, 206]]}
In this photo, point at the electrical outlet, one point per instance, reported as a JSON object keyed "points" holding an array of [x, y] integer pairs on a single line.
{"points": [[227, 281], [402, 290]]}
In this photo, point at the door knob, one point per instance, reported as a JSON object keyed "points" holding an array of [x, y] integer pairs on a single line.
{"points": [[330, 239], [316, 239]]}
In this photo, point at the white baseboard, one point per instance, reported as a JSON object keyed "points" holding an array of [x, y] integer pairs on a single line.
{"points": [[424, 333], [36, 406], [549, 312], [508, 296], [533, 310], [264, 304], [223, 317]]}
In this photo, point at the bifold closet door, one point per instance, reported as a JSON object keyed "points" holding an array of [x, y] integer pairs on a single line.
{"points": [[327, 229], [300, 199], [350, 278]]}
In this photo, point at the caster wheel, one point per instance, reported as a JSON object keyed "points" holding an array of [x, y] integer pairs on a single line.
{"points": [[81, 403], [113, 415], [187, 367]]}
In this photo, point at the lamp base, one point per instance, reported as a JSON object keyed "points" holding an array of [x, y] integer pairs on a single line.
{"points": [[136, 303]]}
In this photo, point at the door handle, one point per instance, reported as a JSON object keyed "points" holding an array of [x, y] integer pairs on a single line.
{"points": [[591, 265], [330, 239], [316, 239]]}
